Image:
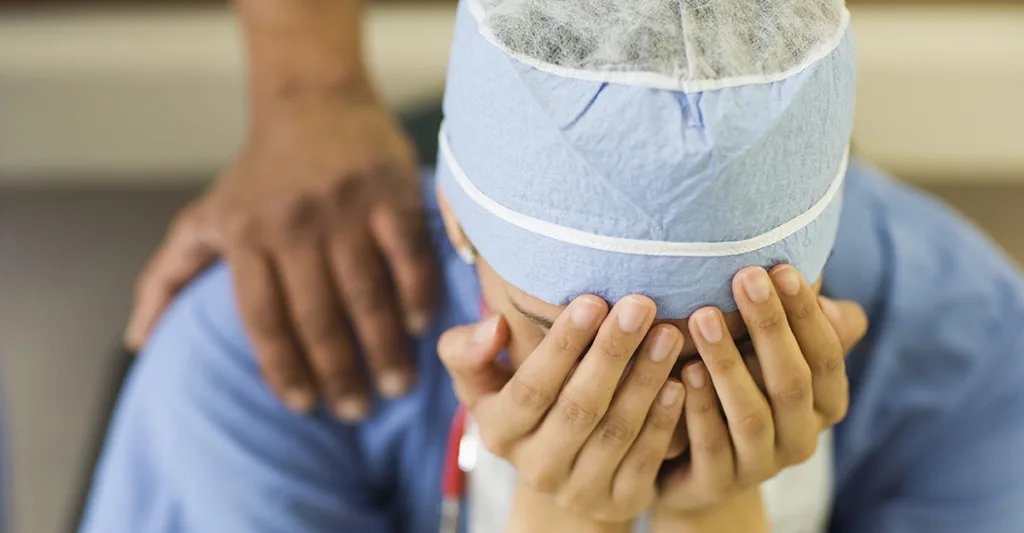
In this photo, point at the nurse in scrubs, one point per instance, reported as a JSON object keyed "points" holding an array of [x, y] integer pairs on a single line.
{"points": [[638, 343]]}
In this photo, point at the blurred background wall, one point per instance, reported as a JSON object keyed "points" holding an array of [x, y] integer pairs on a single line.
{"points": [[112, 116]]}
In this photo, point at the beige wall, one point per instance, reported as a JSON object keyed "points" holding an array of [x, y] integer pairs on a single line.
{"points": [[109, 123]]}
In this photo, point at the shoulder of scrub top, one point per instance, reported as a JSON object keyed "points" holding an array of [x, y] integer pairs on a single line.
{"points": [[198, 434], [936, 421]]}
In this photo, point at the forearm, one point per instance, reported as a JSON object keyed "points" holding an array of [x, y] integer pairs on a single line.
{"points": [[744, 513], [534, 513], [302, 47]]}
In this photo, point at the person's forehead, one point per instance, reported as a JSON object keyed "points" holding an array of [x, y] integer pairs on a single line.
{"points": [[543, 314]]}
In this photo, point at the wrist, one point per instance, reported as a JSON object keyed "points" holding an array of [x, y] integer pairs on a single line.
{"points": [[303, 51], [538, 513], [743, 512]]}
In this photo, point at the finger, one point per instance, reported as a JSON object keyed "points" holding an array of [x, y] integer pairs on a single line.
{"points": [[818, 341], [638, 471], [786, 373], [531, 391], [264, 312], [847, 318], [370, 304], [321, 327], [181, 257], [712, 470], [747, 413], [680, 441], [586, 396], [615, 433], [470, 354], [404, 239]]}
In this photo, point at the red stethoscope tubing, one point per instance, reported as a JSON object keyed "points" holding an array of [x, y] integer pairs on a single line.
{"points": [[453, 479]]}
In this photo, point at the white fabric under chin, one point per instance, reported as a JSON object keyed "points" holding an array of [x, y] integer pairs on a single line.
{"points": [[798, 500]]}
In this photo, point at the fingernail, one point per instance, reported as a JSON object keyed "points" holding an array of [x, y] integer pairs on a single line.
{"points": [[670, 393], [665, 341], [696, 376], [830, 309], [351, 408], [417, 323], [757, 285], [584, 314], [394, 383], [299, 400], [787, 280], [485, 330], [632, 314], [709, 326]]}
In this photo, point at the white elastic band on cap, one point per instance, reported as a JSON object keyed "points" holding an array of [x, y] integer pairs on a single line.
{"points": [[662, 81], [639, 246]]}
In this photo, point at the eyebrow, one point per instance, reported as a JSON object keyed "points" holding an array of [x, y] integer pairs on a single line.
{"points": [[543, 322]]}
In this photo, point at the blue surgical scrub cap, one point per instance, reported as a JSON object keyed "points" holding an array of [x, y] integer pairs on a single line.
{"points": [[574, 174]]}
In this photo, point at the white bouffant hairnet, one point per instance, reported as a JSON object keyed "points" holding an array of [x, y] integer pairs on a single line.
{"points": [[686, 45]]}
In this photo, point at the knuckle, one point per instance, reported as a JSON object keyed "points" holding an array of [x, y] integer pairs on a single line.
{"points": [[318, 325], [801, 312], [662, 419], [721, 364], [754, 425], [703, 406], [831, 364], [792, 392], [347, 188], [643, 375], [613, 347], [241, 227], [720, 489], [540, 480], [527, 394], [645, 461], [759, 473], [713, 445], [495, 442], [771, 322], [295, 214], [836, 413], [448, 343], [605, 515], [414, 228], [575, 497], [801, 450], [368, 294], [575, 414], [614, 431], [564, 344]]}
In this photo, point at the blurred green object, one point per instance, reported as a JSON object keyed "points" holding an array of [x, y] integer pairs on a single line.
{"points": [[423, 125]]}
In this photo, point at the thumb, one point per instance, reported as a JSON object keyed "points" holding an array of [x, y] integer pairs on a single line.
{"points": [[470, 354], [181, 257], [847, 318]]}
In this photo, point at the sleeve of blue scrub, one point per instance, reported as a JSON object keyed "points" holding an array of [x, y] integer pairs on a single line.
{"points": [[934, 441], [199, 445]]}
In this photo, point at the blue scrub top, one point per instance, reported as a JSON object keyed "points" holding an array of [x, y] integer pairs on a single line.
{"points": [[934, 440]]}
